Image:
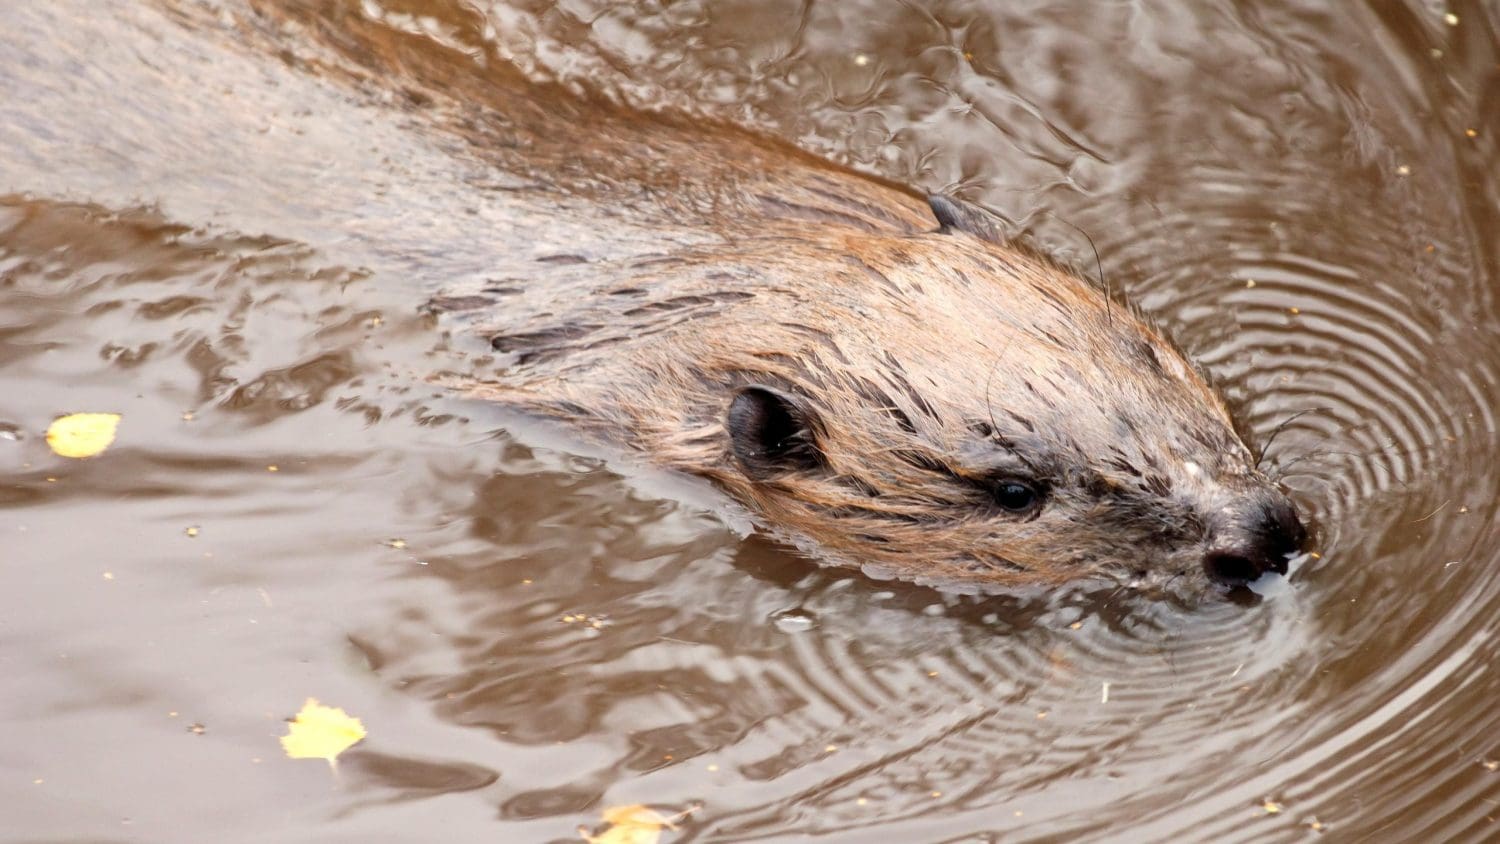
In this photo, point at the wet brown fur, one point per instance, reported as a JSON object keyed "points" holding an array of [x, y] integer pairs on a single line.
{"points": [[676, 264], [934, 363]]}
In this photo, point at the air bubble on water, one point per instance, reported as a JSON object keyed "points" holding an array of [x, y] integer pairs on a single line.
{"points": [[794, 620]]}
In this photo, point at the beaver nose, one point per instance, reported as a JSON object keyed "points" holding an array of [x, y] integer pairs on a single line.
{"points": [[1256, 537]]}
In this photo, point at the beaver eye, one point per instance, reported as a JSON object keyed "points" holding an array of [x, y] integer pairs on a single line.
{"points": [[1016, 496]]}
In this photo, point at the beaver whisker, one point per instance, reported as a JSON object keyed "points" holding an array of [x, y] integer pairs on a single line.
{"points": [[1345, 429], [1266, 447], [1279, 470], [1109, 294]]}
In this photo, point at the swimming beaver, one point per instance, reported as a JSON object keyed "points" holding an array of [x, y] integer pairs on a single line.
{"points": [[882, 385], [881, 389], [932, 406]]}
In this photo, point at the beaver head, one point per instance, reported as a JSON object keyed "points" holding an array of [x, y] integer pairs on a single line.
{"points": [[994, 419], [931, 405]]}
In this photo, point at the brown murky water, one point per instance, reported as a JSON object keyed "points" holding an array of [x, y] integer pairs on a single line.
{"points": [[218, 219]]}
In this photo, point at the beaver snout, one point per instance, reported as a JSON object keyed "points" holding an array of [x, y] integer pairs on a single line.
{"points": [[1253, 536]]}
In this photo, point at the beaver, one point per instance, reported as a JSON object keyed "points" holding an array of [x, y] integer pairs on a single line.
{"points": [[935, 406], [881, 382]]}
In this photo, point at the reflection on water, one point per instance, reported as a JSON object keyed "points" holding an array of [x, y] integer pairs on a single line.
{"points": [[219, 219]]}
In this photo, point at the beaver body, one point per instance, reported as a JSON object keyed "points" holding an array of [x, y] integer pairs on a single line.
{"points": [[929, 405], [881, 383]]}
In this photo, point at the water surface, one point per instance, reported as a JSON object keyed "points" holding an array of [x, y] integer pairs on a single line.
{"points": [[219, 220]]}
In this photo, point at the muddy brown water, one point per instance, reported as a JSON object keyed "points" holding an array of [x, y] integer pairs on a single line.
{"points": [[218, 219]]}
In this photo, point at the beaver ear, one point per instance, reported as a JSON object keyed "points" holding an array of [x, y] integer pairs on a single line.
{"points": [[954, 214], [771, 432]]}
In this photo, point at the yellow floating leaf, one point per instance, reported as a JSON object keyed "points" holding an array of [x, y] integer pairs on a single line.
{"points": [[321, 732], [634, 824], [82, 434]]}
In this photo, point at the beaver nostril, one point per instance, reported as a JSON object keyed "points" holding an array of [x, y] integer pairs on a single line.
{"points": [[1256, 533], [1231, 568]]}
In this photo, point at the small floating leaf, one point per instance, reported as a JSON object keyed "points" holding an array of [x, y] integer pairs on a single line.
{"points": [[82, 434], [321, 732], [634, 824]]}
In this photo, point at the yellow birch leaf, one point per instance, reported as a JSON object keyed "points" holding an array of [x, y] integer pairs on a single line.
{"points": [[82, 434], [635, 824], [321, 732]]}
